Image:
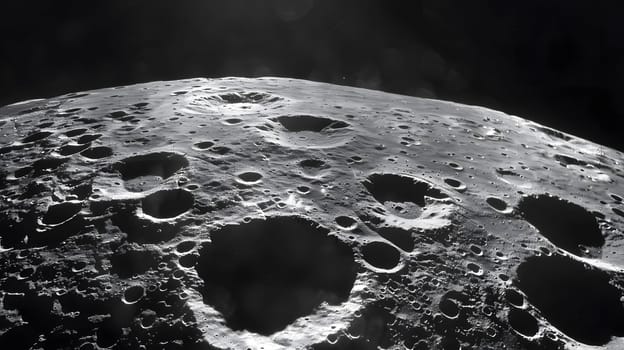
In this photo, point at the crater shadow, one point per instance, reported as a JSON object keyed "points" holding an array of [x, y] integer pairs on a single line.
{"points": [[573, 297], [264, 274], [565, 224]]}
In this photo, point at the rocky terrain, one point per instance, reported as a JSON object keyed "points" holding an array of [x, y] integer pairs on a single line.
{"points": [[275, 213]]}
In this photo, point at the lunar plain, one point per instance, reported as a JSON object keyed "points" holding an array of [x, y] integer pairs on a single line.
{"points": [[275, 213]]}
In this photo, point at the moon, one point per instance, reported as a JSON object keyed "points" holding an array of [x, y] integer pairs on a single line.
{"points": [[275, 213]]}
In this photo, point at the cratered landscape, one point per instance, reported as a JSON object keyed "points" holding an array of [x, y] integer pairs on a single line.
{"points": [[275, 213]]}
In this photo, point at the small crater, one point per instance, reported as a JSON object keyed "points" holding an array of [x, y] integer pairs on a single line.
{"points": [[565, 224], [474, 269], [400, 237], [36, 136], [381, 255], [514, 298], [88, 138], [449, 308], [523, 322], [397, 188], [264, 274], [167, 203], [497, 203], [247, 97], [185, 247], [233, 121], [68, 150], [618, 212], [203, 145], [456, 166], [162, 164], [97, 152], [575, 298], [60, 213], [312, 164], [133, 294], [309, 123], [75, 132], [506, 172], [456, 184], [346, 222], [250, 177]]}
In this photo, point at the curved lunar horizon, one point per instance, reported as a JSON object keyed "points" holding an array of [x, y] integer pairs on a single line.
{"points": [[274, 213]]}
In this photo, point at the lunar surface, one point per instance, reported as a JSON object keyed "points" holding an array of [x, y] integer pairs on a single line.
{"points": [[276, 213]]}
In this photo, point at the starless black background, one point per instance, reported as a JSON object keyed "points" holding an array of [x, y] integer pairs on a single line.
{"points": [[559, 63]]}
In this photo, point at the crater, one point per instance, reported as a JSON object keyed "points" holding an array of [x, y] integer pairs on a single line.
{"points": [[312, 164], [36, 136], [456, 184], [575, 298], [247, 97], [523, 322], [75, 132], [400, 237], [203, 145], [381, 255], [398, 188], [264, 274], [68, 150], [162, 164], [309, 123], [60, 213], [497, 203], [565, 224], [346, 222], [167, 203], [249, 177], [88, 138], [97, 152]]}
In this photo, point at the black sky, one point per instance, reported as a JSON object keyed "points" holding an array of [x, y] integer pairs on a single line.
{"points": [[559, 63]]}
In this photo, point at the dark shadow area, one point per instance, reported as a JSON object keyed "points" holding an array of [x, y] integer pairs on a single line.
{"points": [[265, 274], [127, 262], [97, 152], [167, 203], [565, 224], [68, 150], [397, 188], [36, 136], [497, 203], [381, 255], [58, 213], [523, 322], [575, 298], [163, 164], [400, 237], [309, 123]]}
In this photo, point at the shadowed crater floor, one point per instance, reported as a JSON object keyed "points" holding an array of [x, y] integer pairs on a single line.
{"points": [[309, 123], [397, 188], [576, 299], [162, 164], [265, 274], [565, 224]]}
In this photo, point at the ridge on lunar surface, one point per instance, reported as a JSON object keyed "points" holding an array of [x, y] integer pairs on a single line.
{"points": [[275, 213]]}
